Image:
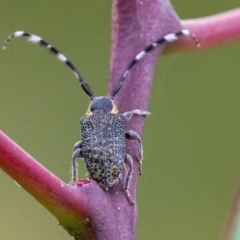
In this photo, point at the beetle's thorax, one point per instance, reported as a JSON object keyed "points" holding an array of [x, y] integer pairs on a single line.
{"points": [[102, 104]]}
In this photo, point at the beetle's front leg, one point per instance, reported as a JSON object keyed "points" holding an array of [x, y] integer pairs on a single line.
{"points": [[131, 135], [129, 162], [77, 152], [128, 115]]}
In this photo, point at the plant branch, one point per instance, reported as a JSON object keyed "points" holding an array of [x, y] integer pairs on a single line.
{"points": [[58, 197], [211, 31], [134, 25]]}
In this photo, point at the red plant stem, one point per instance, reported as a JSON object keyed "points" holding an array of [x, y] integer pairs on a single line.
{"points": [[134, 25], [212, 31], [58, 197]]}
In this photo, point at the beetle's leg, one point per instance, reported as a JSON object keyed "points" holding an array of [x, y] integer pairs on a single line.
{"points": [[131, 135], [128, 115], [77, 152], [77, 145], [129, 162]]}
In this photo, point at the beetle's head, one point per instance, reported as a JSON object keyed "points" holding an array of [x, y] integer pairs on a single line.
{"points": [[101, 104]]}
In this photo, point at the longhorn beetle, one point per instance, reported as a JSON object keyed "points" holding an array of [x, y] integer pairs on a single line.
{"points": [[102, 127]]}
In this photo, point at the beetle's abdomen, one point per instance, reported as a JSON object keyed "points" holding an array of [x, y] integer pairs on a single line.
{"points": [[103, 146]]}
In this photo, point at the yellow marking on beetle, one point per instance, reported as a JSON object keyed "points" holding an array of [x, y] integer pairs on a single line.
{"points": [[114, 109], [96, 176], [112, 169], [94, 166], [89, 112]]}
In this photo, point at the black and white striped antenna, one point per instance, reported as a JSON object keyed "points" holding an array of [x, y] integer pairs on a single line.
{"points": [[169, 38], [35, 39]]}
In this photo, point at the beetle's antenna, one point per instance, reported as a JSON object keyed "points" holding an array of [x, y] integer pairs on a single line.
{"points": [[35, 39], [172, 37]]}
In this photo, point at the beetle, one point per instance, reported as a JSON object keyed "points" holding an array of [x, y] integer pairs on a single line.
{"points": [[103, 132]]}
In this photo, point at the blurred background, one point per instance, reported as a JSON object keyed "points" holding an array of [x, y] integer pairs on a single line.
{"points": [[191, 142]]}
